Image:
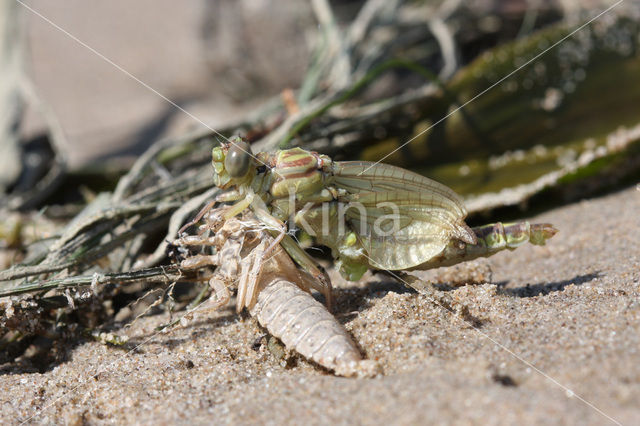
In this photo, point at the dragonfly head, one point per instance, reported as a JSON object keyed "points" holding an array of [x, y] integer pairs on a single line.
{"points": [[232, 163]]}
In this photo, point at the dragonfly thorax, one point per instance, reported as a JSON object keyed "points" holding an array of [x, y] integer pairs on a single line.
{"points": [[296, 171]]}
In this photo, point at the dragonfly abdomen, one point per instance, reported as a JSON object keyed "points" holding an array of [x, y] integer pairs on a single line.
{"points": [[492, 239]]}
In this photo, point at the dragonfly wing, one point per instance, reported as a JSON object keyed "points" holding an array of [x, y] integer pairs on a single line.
{"points": [[405, 218]]}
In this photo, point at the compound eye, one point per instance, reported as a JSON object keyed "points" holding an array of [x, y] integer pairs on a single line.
{"points": [[238, 159]]}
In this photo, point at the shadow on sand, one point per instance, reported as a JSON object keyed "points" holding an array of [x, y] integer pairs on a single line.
{"points": [[541, 289]]}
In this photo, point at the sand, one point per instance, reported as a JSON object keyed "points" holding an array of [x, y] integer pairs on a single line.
{"points": [[557, 342]]}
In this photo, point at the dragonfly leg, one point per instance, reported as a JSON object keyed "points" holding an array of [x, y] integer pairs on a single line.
{"points": [[218, 299], [221, 293], [232, 195], [321, 280], [248, 287], [206, 209], [240, 206], [243, 298], [195, 240], [256, 264], [277, 240], [199, 261]]}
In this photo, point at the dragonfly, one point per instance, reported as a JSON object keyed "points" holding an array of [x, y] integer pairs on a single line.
{"points": [[371, 215]]}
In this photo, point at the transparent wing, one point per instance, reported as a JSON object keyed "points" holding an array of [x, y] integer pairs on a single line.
{"points": [[402, 219]]}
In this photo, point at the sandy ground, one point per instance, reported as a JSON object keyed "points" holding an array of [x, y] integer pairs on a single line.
{"points": [[557, 343]]}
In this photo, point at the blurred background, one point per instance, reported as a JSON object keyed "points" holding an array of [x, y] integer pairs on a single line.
{"points": [[221, 60], [69, 115], [217, 59]]}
